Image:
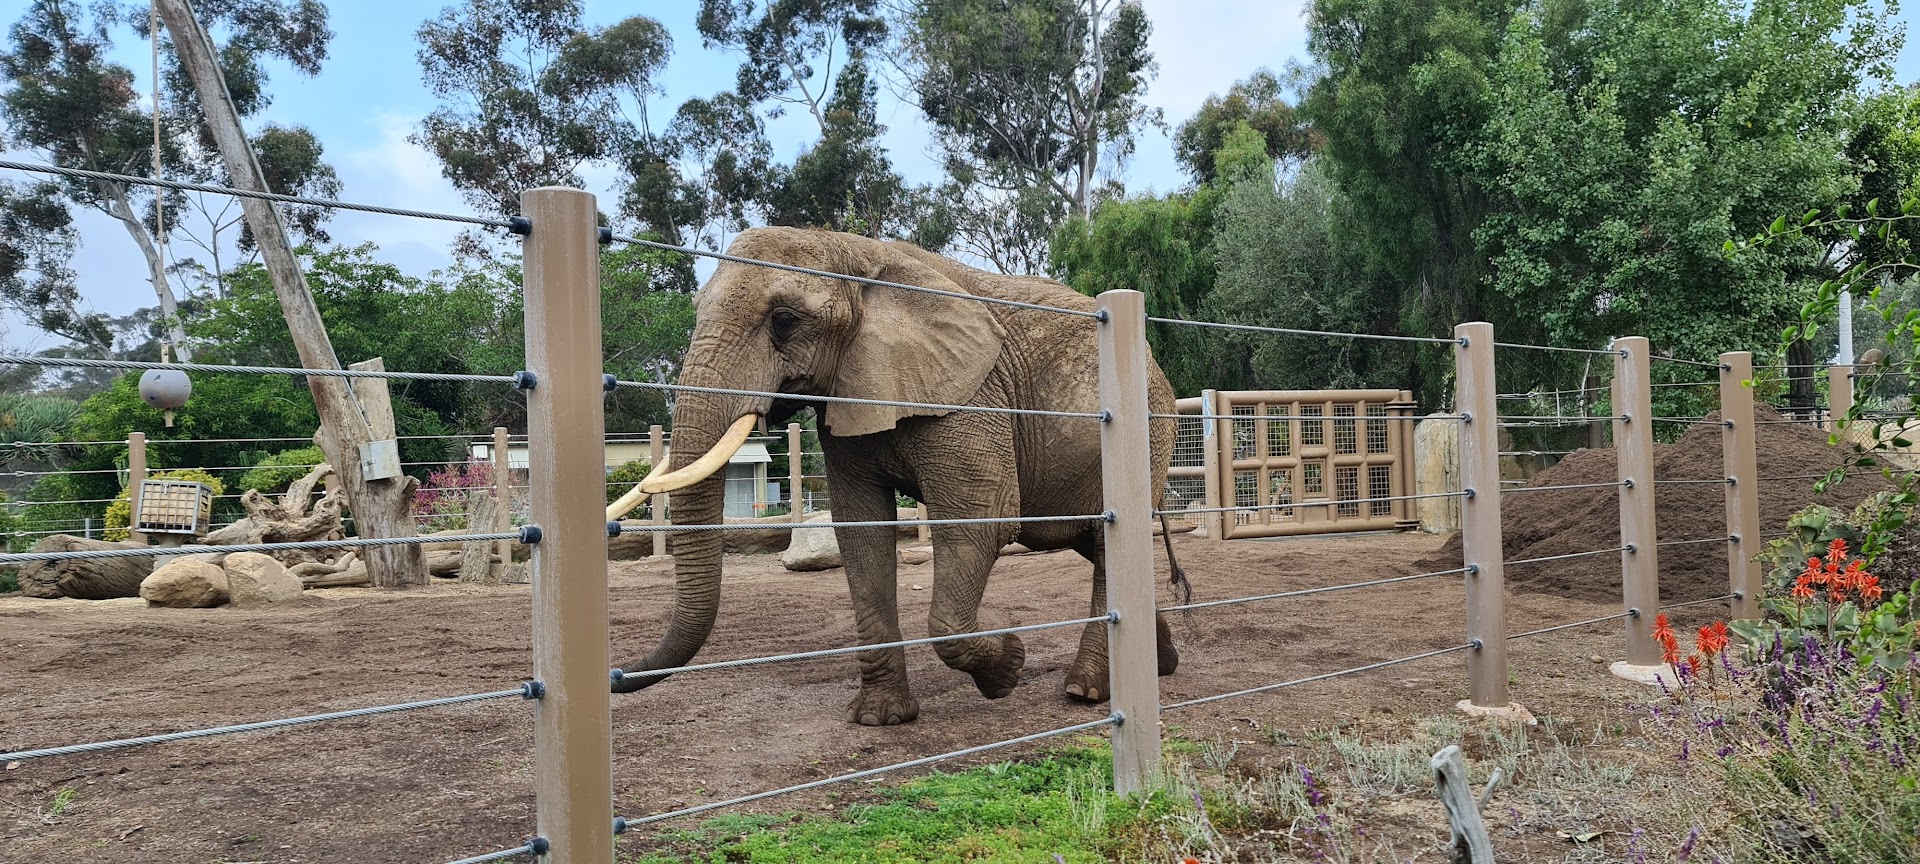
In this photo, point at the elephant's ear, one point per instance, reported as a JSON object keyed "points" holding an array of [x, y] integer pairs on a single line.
{"points": [[910, 346]]}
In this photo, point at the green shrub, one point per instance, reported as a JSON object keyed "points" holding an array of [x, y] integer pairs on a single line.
{"points": [[621, 480], [275, 473], [120, 512]]}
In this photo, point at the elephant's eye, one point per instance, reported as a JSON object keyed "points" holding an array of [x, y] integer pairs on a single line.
{"points": [[782, 323]]}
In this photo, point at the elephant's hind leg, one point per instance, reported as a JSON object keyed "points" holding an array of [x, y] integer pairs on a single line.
{"points": [[1087, 677]]}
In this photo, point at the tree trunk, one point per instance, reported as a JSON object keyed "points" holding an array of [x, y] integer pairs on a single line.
{"points": [[84, 578], [122, 209], [380, 507]]}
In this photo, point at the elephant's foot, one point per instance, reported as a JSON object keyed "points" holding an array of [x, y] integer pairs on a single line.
{"points": [[1087, 681], [1163, 643], [997, 676], [877, 707]]}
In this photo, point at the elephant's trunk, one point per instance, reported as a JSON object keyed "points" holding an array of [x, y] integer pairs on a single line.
{"points": [[698, 424]]}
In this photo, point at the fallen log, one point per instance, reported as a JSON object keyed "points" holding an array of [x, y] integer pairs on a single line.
{"points": [[84, 578]]}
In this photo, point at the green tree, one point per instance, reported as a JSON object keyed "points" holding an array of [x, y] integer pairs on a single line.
{"points": [[1029, 100], [1257, 102], [1617, 173], [68, 103]]}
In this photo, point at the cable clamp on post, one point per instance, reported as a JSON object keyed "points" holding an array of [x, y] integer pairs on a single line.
{"points": [[1119, 718], [1102, 316], [525, 380], [1633, 613], [1626, 417], [605, 236], [1628, 483], [619, 822], [1632, 549], [539, 846], [618, 675], [613, 528], [1466, 416], [608, 383], [1739, 595], [1733, 538], [1464, 341], [530, 535], [1106, 416], [1476, 644], [520, 225], [532, 690], [1473, 569], [1469, 493], [1112, 616], [1109, 517]]}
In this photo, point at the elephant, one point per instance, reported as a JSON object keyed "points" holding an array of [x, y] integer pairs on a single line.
{"points": [[763, 329]]}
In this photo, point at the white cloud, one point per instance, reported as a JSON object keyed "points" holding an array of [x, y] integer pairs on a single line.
{"points": [[394, 172]]}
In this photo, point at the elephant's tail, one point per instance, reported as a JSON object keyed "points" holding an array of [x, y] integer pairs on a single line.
{"points": [[1179, 577]]}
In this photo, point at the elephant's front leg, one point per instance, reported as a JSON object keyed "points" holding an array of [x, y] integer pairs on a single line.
{"points": [[873, 580], [963, 555]]}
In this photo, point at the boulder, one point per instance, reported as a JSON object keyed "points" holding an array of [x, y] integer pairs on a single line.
{"points": [[915, 556], [185, 584], [254, 579], [813, 548]]}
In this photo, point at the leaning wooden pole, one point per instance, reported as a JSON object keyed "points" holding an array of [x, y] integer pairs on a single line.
{"points": [[1127, 481], [1633, 447], [1480, 538], [572, 733], [380, 507], [1738, 456]]}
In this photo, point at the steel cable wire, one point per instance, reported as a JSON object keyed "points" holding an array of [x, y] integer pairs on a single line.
{"points": [[1332, 502], [1321, 590], [1571, 625], [1568, 555], [246, 193], [123, 743], [536, 846], [809, 271], [81, 363], [880, 523], [849, 400], [1286, 331], [1312, 678], [24, 557], [854, 649]]}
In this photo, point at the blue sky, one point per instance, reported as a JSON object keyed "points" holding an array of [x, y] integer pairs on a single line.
{"points": [[368, 98]]}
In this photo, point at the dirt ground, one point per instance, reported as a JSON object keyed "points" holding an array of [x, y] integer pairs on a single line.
{"points": [[440, 784]]}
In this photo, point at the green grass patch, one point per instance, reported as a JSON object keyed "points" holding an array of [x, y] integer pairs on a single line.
{"points": [[1060, 804]]}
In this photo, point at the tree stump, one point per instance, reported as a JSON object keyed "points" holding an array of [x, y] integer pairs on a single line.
{"points": [[84, 578], [476, 559]]}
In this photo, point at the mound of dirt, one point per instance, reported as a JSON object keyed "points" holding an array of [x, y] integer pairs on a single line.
{"points": [[1547, 523]]}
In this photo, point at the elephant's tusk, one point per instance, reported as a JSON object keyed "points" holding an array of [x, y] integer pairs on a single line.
{"points": [[660, 480]]}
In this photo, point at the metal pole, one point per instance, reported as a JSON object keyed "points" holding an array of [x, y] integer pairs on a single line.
{"points": [[1737, 450], [1839, 398], [657, 509], [1127, 482], [1480, 538], [1845, 355], [794, 464], [1210, 469], [573, 748], [136, 472], [503, 492], [1633, 447]]}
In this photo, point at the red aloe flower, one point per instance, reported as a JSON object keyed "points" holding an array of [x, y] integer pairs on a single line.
{"points": [[1669, 649], [1708, 642], [1662, 629], [1869, 588], [1837, 550], [1802, 587]]}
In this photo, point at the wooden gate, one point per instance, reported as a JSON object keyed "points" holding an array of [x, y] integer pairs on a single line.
{"points": [[1297, 461]]}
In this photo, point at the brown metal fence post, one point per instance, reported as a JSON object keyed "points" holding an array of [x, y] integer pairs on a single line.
{"points": [[1221, 407], [503, 491], [1480, 538], [1839, 399], [795, 460], [1127, 482], [657, 508], [136, 472], [573, 748], [1737, 450], [1633, 446]]}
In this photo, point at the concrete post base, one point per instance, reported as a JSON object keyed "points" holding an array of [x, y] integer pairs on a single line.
{"points": [[1649, 675], [1513, 713]]}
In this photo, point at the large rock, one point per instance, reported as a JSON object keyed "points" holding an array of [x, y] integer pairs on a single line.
{"points": [[185, 584], [84, 578], [254, 579], [1436, 462], [813, 548]]}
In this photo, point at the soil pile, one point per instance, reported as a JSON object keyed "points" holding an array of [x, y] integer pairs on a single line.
{"points": [[1545, 523]]}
